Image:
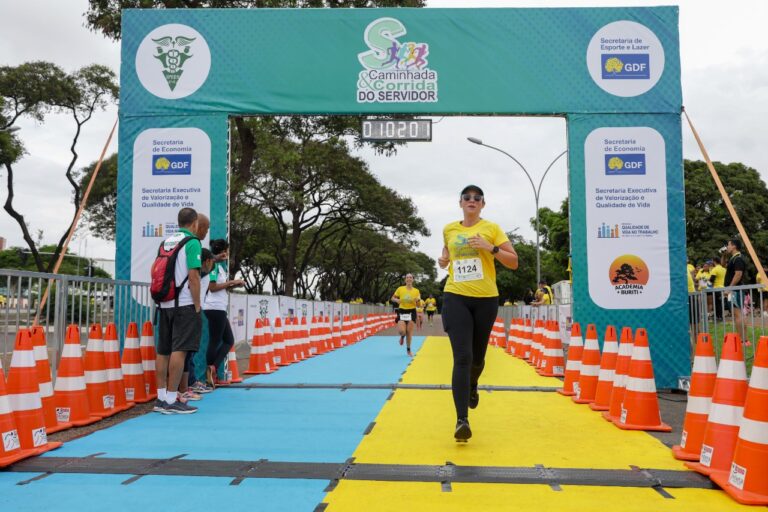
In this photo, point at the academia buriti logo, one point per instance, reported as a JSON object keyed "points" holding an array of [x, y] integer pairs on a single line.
{"points": [[629, 274], [625, 58], [173, 61]]}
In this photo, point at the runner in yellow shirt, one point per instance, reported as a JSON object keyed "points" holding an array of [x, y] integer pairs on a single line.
{"points": [[419, 314], [471, 298], [406, 297], [431, 307]]}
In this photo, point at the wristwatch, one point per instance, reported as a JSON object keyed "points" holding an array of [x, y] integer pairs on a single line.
{"points": [[495, 249]]}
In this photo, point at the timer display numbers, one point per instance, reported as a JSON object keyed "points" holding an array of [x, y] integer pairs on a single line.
{"points": [[408, 130]]}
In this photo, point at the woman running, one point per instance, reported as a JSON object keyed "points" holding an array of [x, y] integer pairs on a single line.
{"points": [[406, 297], [220, 337], [471, 298], [419, 314], [431, 307]]}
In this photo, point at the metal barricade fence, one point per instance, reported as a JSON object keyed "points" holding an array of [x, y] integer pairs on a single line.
{"points": [[739, 309], [71, 300]]}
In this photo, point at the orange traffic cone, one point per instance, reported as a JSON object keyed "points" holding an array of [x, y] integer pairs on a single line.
{"points": [[726, 411], [306, 342], [512, 337], [640, 409], [337, 336], [573, 365], [552, 360], [747, 481], [114, 369], [279, 342], [100, 400], [259, 361], [703, 378], [524, 347], [10, 448], [148, 359], [315, 347], [586, 387], [607, 371], [70, 395], [620, 377], [133, 370], [326, 334], [40, 349], [24, 397], [233, 372], [536, 344]]}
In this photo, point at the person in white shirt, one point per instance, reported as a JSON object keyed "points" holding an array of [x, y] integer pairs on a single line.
{"points": [[220, 337]]}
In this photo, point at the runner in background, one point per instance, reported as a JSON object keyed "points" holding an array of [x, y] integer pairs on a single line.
{"points": [[431, 307], [420, 314], [406, 297], [471, 298]]}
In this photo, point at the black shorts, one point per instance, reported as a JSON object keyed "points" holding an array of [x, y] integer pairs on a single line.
{"points": [[180, 330], [430, 313], [411, 312]]}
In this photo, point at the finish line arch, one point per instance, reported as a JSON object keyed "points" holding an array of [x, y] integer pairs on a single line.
{"points": [[613, 73]]}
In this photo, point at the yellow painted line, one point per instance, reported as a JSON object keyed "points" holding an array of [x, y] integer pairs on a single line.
{"points": [[434, 362], [389, 496]]}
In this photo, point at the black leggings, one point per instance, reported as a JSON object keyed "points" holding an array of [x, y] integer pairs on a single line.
{"points": [[468, 322], [220, 337]]}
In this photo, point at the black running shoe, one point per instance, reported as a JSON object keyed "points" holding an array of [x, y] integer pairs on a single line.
{"points": [[463, 432], [474, 397], [179, 407], [160, 406]]}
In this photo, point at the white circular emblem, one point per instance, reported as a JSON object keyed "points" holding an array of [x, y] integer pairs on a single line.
{"points": [[625, 58], [173, 61]]}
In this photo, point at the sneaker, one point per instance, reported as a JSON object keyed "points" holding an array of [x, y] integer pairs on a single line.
{"points": [[200, 388], [463, 432], [160, 406], [179, 407], [410, 354], [190, 396], [402, 338], [474, 397]]}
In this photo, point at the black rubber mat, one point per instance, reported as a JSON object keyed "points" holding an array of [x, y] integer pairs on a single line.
{"points": [[240, 470], [345, 386]]}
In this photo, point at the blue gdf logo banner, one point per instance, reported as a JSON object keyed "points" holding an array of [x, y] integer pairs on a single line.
{"points": [[166, 165], [626, 66], [632, 164]]}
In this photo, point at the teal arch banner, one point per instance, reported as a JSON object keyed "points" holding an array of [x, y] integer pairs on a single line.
{"points": [[614, 73]]}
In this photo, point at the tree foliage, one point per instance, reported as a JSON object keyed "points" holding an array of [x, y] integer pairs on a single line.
{"points": [[105, 15], [17, 258], [35, 89]]}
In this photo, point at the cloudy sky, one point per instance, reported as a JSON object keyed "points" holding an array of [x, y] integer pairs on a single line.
{"points": [[725, 91]]}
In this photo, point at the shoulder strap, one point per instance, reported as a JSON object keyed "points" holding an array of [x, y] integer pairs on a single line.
{"points": [[176, 251]]}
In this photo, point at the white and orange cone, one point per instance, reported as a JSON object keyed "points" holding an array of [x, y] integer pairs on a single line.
{"points": [[24, 397], [747, 480], [148, 359], [703, 378], [726, 411], [70, 395], [623, 361], [640, 409], [114, 368], [40, 348], [573, 365], [10, 447], [100, 400], [607, 371], [590, 369], [133, 370]]}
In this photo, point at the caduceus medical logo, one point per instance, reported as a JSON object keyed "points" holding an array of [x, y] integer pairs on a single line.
{"points": [[263, 308], [395, 71], [173, 52]]}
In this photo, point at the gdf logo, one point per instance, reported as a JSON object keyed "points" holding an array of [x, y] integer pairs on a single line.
{"points": [[163, 165], [625, 164], [173, 61]]}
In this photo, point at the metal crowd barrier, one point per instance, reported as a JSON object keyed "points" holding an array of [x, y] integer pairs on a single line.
{"points": [[71, 300]]}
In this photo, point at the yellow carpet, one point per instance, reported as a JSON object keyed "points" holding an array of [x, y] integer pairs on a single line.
{"points": [[510, 428]]}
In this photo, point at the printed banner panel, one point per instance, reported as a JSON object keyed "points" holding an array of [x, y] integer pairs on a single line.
{"points": [[262, 306], [628, 231], [304, 309], [238, 316], [287, 306], [351, 61]]}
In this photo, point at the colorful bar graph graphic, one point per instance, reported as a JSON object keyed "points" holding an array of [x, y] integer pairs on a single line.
{"points": [[605, 231], [150, 230]]}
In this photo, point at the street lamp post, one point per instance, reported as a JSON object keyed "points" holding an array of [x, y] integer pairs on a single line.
{"points": [[536, 193]]}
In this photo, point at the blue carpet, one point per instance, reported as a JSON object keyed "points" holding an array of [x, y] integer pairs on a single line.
{"points": [[97, 493]]}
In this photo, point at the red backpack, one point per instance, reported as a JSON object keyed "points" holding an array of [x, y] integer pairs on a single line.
{"points": [[163, 276]]}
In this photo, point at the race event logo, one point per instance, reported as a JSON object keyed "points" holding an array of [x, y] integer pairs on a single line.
{"points": [[625, 58], [164, 165], [173, 61], [625, 164], [395, 71], [629, 275]]}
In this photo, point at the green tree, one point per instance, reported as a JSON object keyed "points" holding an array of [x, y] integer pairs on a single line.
{"points": [[101, 210], [17, 258], [555, 233], [35, 89], [708, 224]]}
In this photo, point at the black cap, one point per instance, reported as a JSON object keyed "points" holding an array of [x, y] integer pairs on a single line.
{"points": [[473, 188]]}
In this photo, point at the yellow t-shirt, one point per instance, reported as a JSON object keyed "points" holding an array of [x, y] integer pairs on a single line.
{"points": [[420, 306], [702, 276], [546, 297], [471, 272], [431, 304], [691, 287], [719, 272], [408, 298]]}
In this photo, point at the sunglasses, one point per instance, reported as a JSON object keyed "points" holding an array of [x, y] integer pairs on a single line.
{"points": [[470, 197]]}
